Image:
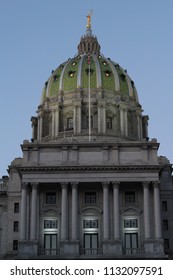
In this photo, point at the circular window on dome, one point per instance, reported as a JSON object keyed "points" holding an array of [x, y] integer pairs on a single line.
{"points": [[71, 73], [74, 63], [108, 73], [104, 63]]}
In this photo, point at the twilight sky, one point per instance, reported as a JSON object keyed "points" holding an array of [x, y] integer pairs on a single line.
{"points": [[38, 35]]}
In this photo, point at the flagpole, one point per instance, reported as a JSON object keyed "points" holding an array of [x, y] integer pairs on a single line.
{"points": [[89, 97]]}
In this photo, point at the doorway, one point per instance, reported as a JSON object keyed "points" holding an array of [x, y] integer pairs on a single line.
{"points": [[50, 244], [90, 243]]}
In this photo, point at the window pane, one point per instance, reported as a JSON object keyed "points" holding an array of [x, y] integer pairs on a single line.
{"points": [[90, 197], [16, 207], [51, 198]]}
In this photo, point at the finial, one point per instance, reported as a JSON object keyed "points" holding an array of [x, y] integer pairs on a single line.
{"points": [[88, 26]]}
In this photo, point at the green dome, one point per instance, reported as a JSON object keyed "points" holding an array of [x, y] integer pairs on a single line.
{"points": [[89, 94], [105, 74]]}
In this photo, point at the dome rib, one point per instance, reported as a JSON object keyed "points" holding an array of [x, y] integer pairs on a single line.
{"points": [[62, 75], [79, 74], [98, 72], [115, 74]]}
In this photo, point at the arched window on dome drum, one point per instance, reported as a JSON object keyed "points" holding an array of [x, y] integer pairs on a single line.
{"points": [[108, 123], [69, 123]]}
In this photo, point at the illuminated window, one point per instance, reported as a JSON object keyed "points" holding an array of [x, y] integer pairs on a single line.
{"points": [[107, 73], [51, 198], [90, 197], [71, 74], [50, 224], [130, 223], [90, 223], [74, 63]]}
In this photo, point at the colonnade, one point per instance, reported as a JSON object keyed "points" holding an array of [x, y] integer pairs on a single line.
{"points": [[77, 123], [74, 211]]}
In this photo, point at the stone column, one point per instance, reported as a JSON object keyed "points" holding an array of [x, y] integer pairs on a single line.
{"points": [[74, 211], [116, 210], [147, 233], [53, 123], [79, 119], [104, 119], [105, 210], [157, 211], [125, 123], [99, 120], [33, 229], [23, 222], [74, 120], [56, 122], [122, 121], [40, 127], [64, 212]]}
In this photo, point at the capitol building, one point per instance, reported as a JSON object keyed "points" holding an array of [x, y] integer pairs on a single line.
{"points": [[90, 183]]}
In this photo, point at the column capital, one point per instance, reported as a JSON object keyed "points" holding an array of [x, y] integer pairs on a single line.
{"points": [[24, 185], [74, 184], [105, 184], [34, 185], [116, 184], [155, 184], [64, 185], [145, 184]]}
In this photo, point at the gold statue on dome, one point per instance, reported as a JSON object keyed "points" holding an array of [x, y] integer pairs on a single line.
{"points": [[89, 19]]}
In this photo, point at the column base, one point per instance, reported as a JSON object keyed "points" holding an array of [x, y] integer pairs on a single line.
{"points": [[69, 249], [27, 249], [112, 248], [154, 247]]}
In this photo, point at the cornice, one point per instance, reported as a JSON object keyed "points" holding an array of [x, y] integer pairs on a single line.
{"points": [[81, 169]]}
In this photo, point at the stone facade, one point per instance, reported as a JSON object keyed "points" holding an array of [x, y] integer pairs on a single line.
{"points": [[90, 183]]}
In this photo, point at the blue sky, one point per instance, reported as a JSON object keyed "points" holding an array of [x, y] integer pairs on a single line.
{"points": [[38, 35]]}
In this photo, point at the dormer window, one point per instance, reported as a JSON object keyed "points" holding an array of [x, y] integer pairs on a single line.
{"points": [[55, 78], [104, 63], [73, 63], [108, 73], [71, 73]]}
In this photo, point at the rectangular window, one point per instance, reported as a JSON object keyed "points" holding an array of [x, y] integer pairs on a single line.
{"points": [[16, 226], [165, 224], [90, 197], [130, 197], [109, 123], [15, 245], [90, 223], [51, 198], [164, 206], [69, 123], [16, 207], [130, 223], [50, 224]]}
